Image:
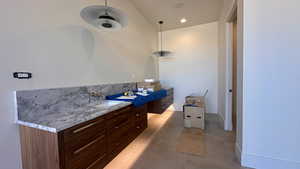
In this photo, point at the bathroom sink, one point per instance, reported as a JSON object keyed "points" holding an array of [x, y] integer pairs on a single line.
{"points": [[106, 104]]}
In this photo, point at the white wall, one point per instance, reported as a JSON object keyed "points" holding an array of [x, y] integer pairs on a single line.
{"points": [[271, 84], [49, 39], [193, 66]]}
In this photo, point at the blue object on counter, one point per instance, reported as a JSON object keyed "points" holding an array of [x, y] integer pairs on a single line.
{"points": [[141, 100]]}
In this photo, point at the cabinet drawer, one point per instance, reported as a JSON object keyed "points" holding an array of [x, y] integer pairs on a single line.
{"points": [[119, 130], [140, 126], [118, 141], [140, 116], [99, 163], [119, 112], [83, 133], [115, 147], [141, 109], [118, 120], [86, 155], [140, 113]]}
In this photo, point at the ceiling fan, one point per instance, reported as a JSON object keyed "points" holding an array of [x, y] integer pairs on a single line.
{"points": [[104, 17]]}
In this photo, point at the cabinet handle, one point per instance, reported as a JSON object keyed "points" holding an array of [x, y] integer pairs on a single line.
{"points": [[87, 126], [95, 162], [121, 123], [121, 111], [88, 145]]}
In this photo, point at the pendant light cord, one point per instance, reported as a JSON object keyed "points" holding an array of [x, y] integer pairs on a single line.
{"points": [[161, 52], [106, 7], [161, 38]]}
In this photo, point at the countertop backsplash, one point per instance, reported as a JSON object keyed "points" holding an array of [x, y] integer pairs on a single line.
{"points": [[33, 103]]}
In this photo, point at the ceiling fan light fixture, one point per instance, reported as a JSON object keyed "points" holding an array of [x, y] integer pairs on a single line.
{"points": [[104, 17], [108, 22]]}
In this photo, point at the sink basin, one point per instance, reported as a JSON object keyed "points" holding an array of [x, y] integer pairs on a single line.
{"points": [[106, 104]]}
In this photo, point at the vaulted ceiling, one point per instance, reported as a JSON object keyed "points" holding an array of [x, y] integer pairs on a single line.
{"points": [[172, 11]]}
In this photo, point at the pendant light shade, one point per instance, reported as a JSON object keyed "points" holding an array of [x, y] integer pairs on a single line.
{"points": [[104, 17], [161, 52]]}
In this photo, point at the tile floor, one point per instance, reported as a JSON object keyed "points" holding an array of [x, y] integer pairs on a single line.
{"points": [[155, 148]]}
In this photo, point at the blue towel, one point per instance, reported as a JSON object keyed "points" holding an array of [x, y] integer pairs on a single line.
{"points": [[141, 100]]}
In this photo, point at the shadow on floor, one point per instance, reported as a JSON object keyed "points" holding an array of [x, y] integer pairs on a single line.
{"points": [[155, 148]]}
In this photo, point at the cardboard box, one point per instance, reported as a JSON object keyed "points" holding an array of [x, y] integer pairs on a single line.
{"points": [[195, 100], [194, 117], [150, 85]]}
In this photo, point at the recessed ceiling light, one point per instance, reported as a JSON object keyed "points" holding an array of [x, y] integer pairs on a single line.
{"points": [[183, 20]]}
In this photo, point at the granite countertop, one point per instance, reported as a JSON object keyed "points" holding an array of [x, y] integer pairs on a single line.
{"points": [[61, 120]]}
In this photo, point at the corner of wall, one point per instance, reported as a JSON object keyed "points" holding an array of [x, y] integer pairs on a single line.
{"points": [[221, 120], [238, 152]]}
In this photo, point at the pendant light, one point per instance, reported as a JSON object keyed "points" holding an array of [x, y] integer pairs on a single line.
{"points": [[104, 17], [161, 52]]}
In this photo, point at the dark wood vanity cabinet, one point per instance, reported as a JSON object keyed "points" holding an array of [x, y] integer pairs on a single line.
{"points": [[140, 120], [90, 145], [161, 105]]}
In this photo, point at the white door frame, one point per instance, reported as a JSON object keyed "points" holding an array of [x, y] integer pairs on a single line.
{"points": [[229, 67], [229, 60]]}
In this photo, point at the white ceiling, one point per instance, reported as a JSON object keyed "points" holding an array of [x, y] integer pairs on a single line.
{"points": [[171, 11]]}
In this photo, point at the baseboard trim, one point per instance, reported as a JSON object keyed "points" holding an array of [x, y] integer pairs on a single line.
{"points": [[221, 116], [261, 162], [238, 152], [221, 120]]}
